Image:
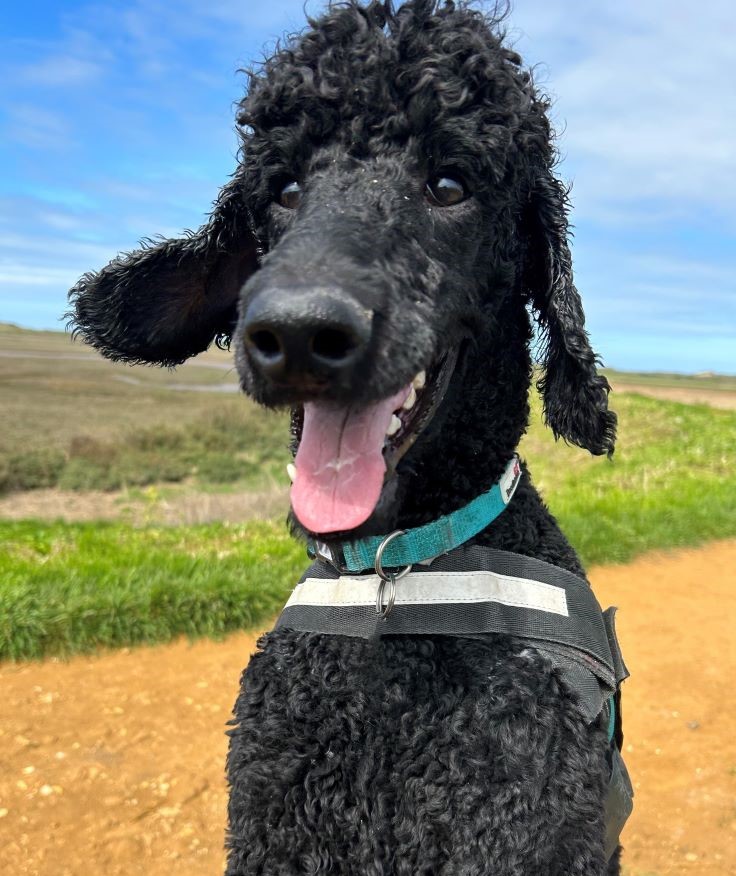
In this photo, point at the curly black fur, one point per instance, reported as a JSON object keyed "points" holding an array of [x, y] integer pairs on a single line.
{"points": [[433, 756], [407, 756]]}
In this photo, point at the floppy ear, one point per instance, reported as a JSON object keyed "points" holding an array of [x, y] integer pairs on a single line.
{"points": [[575, 396], [170, 299]]}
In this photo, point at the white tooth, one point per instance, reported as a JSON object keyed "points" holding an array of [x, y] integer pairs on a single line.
{"points": [[394, 425], [291, 471], [410, 399], [420, 380]]}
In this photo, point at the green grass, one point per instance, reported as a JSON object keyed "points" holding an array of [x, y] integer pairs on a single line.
{"points": [[70, 588], [671, 482]]}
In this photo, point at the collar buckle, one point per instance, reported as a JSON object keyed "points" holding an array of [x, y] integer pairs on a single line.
{"points": [[331, 554]]}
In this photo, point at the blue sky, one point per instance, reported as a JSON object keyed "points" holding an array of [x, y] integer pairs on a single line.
{"points": [[116, 122]]}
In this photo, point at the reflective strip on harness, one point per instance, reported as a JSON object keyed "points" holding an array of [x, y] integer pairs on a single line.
{"points": [[422, 588]]}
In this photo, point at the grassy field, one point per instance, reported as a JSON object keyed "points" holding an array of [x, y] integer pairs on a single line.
{"points": [[73, 420], [68, 587], [671, 482], [53, 390]]}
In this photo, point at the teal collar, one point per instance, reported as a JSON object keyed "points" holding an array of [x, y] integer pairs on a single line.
{"points": [[424, 543]]}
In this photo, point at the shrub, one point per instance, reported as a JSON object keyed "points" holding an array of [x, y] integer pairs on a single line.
{"points": [[156, 439], [31, 470], [140, 469], [84, 474], [125, 469], [100, 453], [220, 468], [231, 444]]}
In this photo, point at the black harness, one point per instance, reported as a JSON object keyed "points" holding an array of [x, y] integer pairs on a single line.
{"points": [[475, 591]]}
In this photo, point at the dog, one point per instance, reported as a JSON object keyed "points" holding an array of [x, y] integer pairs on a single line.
{"points": [[392, 229]]}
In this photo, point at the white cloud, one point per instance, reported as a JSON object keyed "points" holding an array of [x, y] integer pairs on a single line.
{"points": [[37, 128], [646, 91], [62, 70], [34, 250], [19, 274]]}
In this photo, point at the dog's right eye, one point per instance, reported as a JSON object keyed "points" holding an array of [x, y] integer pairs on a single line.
{"points": [[445, 191], [290, 195]]}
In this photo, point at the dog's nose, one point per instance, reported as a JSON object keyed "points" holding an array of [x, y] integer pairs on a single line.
{"points": [[293, 333]]}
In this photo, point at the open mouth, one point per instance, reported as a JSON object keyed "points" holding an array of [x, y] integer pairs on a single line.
{"points": [[346, 454]]}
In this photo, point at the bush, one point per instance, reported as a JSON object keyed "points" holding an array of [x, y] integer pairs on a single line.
{"points": [[123, 470], [220, 468], [84, 474], [89, 466], [156, 439], [140, 469], [233, 444], [100, 453], [31, 470]]}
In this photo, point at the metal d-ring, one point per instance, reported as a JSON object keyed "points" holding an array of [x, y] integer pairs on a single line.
{"points": [[387, 577]]}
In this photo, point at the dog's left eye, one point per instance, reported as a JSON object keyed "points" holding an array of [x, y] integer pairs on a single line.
{"points": [[290, 195], [444, 191]]}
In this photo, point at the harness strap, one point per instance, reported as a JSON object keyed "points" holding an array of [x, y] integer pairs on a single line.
{"points": [[619, 803], [472, 592]]}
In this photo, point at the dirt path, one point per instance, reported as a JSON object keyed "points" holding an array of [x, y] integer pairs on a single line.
{"points": [[716, 398], [182, 505], [114, 764]]}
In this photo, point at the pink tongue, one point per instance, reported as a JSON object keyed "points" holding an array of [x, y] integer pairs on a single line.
{"points": [[340, 465]]}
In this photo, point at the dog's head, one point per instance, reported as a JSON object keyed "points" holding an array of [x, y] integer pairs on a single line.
{"points": [[394, 212]]}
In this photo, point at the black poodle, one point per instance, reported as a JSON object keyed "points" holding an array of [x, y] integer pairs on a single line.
{"points": [[392, 223]]}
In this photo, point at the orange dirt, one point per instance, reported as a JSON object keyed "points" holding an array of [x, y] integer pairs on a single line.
{"points": [[114, 764]]}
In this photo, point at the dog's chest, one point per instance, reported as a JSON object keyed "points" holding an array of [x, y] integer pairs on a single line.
{"points": [[408, 755]]}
